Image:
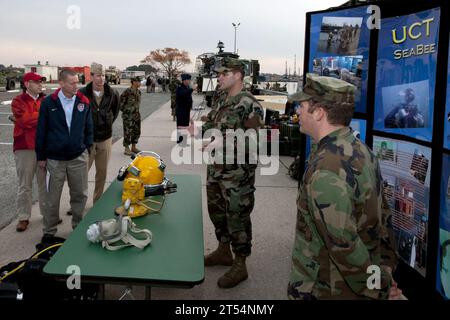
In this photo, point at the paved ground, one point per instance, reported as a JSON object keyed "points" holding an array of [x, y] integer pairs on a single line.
{"points": [[8, 183]]}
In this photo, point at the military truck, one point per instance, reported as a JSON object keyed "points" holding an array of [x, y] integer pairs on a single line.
{"points": [[112, 75], [11, 77], [207, 78]]}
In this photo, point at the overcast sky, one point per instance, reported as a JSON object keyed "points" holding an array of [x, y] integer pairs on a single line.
{"points": [[122, 32]]}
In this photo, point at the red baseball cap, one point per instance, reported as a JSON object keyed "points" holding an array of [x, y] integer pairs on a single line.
{"points": [[32, 76]]}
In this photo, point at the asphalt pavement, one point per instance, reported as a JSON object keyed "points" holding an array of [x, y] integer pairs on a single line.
{"points": [[8, 177]]}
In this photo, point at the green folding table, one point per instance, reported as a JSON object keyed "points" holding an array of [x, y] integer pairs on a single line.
{"points": [[173, 259]]}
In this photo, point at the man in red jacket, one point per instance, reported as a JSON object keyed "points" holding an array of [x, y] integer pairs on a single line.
{"points": [[25, 108]]}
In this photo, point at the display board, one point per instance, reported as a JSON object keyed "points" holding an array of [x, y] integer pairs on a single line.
{"points": [[401, 113], [405, 168], [447, 110], [406, 74]]}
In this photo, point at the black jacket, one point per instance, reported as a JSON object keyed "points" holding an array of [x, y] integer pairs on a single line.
{"points": [[184, 105], [104, 115], [53, 139]]}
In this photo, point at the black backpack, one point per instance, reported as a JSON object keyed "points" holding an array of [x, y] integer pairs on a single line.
{"points": [[25, 279], [294, 168]]}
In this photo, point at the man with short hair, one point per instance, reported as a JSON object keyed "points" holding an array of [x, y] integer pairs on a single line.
{"points": [[25, 108], [130, 101], [342, 222], [230, 187], [64, 136], [104, 104]]}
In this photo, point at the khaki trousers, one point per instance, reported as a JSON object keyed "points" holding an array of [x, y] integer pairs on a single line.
{"points": [[26, 168], [100, 153], [76, 171]]}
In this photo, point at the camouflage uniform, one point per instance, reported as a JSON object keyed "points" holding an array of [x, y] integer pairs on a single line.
{"points": [[230, 187], [217, 96], [130, 100], [173, 85], [342, 221]]}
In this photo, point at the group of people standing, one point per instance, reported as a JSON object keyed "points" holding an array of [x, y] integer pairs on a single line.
{"points": [[60, 137], [342, 218]]}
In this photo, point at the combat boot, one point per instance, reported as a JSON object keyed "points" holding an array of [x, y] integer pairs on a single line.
{"points": [[235, 275], [221, 256], [127, 151], [134, 149]]}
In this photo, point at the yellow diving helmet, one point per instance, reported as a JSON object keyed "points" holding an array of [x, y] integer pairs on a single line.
{"points": [[144, 185]]}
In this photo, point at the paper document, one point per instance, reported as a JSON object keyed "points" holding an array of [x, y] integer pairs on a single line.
{"points": [[47, 180]]}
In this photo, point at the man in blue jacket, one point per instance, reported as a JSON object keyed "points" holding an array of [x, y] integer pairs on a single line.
{"points": [[63, 138]]}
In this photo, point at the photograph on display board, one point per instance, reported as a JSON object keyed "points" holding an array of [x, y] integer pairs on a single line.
{"points": [[443, 263], [405, 106], [419, 166], [359, 128], [385, 150], [405, 168], [339, 35], [347, 68], [339, 44], [406, 74]]}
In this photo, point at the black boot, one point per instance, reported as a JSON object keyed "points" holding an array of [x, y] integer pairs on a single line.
{"points": [[221, 256], [235, 275]]}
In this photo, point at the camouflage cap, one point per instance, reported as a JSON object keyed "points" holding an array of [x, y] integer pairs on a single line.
{"points": [[229, 64], [327, 89], [137, 79], [97, 68]]}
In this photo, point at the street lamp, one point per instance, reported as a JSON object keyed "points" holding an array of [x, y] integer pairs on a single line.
{"points": [[235, 29]]}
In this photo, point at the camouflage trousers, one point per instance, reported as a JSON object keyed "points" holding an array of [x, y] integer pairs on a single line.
{"points": [[173, 104], [231, 197], [131, 128]]}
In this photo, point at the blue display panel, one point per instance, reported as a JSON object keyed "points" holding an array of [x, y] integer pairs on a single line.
{"points": [[406, 168], [406, 74], [339, 48], [447, 110], [443, 263]]}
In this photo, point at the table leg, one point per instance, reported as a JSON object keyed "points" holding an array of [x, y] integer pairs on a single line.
{"points": [[101, 292], [148, 293]]}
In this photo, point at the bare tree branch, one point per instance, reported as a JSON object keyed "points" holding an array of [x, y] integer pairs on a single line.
{"points": [[171, 60]]}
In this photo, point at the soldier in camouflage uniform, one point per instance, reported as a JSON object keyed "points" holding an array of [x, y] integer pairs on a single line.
{"points": [[342, 222], [130, 100], [230, 187], [217, 96], [173, 85]]}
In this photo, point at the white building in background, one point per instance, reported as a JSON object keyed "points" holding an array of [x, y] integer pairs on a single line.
{"points": [[47, 71], [131, 74]]}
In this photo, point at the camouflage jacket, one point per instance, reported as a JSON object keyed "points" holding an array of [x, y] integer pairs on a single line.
{"points": [[217, 96], [342, 223], [173, 85], [232, 113], [130, 100]]}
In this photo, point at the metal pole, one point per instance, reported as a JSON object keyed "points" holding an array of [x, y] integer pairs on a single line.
{"points": [[235, 29]]}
